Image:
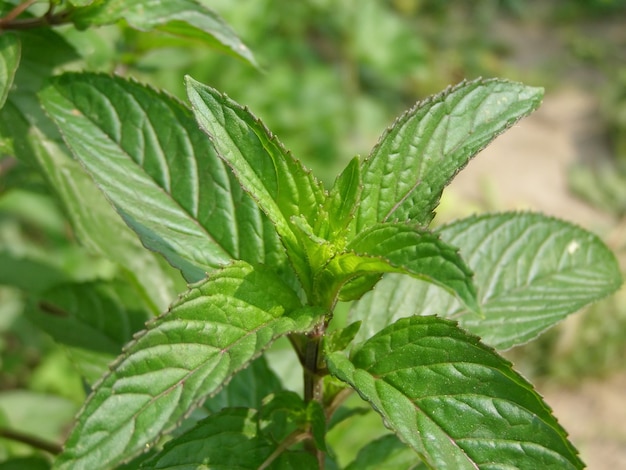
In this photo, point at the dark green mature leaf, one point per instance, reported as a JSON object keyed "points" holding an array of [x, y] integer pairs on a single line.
{"points": [[414, 160], [94, 320], [453, 400], [278, 182], [404, 249], [229, 439], [10, 50], [247, 389], [186, 18], [147, 154], [386, 453], [531, 271], [214, 330]]}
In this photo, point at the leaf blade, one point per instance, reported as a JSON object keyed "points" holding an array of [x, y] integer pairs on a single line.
{"points": [[279, 183], [183, 357], [411, 251], [407, 170], [453, 400], [186, 18], [10, 52], [160, 172], [531, 271]]}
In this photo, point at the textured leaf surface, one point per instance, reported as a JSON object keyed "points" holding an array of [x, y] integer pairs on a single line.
{"points": [[404, 249], [229, 439], [454, 400], [147, 154], [213, 331], [414, 160], [186, 18], [531, 271], [279, 183], [9, 60], [94, 320]]}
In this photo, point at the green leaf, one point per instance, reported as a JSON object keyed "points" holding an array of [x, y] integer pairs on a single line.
{"points": [[414, 160], [386, 453], [186, 18], [96, 223], [531, 271], [94, 320], [453, 400], [229, 439], [278, 182], [21, 112], [147, 154], [81, 3], [344, 197], [247, 389], [402, 249], [216, 329], [10, 50]]}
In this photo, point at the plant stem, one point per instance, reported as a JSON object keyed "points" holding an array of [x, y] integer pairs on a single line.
{"points": [[10, 21], [32, 441], [314, 381]]}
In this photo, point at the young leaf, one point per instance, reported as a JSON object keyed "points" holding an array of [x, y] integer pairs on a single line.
{"points": [[344, 197], [405, 173], [401, 248], [147, 154], [186, 18], [278, 182], [453, 400], [9, 60], [94, 320], [214, 330], [531, 271], [228, 439]]}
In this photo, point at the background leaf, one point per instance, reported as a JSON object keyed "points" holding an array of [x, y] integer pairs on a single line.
{"points": [[184, 356], [386, 453], [405, 173], [531, 271], [186, 18], [96, 223], [212, 441], [93, 320], [147, 154], [454, 400], [10, 51]]}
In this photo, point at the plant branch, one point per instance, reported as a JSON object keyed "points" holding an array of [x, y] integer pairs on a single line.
{"points": [[32, 441], [11, 22]]}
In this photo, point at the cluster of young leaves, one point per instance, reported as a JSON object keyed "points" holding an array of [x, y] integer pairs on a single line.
{"points": [[280, 251]]}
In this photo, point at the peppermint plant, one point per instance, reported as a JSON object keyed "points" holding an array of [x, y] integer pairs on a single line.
{"points": [[268, 252]]}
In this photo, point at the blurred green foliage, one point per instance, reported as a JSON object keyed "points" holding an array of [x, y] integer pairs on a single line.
{"points": [[332, 75]]}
